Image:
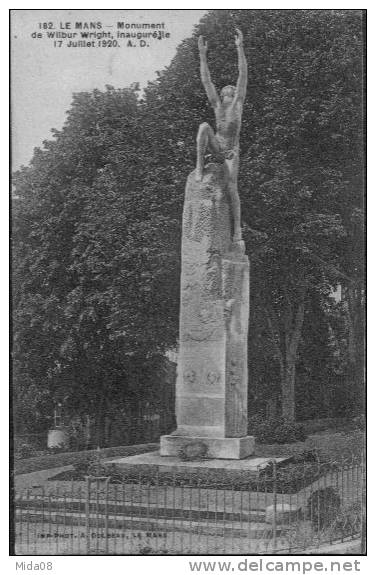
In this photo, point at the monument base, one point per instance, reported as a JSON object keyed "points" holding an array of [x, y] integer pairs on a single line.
{"points": [[152, 462], [217, 447]]}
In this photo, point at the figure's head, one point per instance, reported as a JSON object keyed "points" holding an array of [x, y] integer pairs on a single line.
{"points": [[227, 94]]}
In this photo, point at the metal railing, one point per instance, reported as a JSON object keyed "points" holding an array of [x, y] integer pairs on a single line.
{"points": [[275, 510]]}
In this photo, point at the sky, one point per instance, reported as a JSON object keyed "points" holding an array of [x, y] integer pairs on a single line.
{"points": [[44, 75]]}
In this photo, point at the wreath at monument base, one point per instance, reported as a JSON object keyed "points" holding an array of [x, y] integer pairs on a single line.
{"points": [[193, 451]]}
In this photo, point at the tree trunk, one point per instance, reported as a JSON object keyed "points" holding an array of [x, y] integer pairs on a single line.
{"points": [[100, 418], [288, 387], [355, 376], [88, 432], [286, 340]]}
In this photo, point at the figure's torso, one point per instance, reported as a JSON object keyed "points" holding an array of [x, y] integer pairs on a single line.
{"points": [[228, 121]]}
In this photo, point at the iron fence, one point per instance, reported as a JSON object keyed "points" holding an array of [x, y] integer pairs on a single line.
{"points": [[274, 510]]}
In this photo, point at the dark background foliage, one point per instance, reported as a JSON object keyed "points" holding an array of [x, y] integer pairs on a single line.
{"points": [[97, 224]]}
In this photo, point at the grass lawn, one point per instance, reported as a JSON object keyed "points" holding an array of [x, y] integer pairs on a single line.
{"points": [[331, 444], [49, 461]]}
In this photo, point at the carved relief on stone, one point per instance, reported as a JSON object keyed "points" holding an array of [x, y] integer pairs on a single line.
{"points": [[189, 291], [203, 322], [235, 373], [213, 283], [198, 221], [189, 376], [235, 290], [190, 268], [188, 220], [201, 319], [213, 377]]}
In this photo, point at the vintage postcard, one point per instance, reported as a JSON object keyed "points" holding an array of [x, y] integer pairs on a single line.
{"points": [[188, 283]]}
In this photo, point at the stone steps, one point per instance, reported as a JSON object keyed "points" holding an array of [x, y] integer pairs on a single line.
{"points": [[152, 510], [203, 526]]}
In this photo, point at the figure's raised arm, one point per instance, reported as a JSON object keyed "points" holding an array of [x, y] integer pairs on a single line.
{"points": [[210, 90], [241, 86]]}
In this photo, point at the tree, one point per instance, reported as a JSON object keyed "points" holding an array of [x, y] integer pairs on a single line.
{"points": [[98, 212], [91, 259], [301, 148], [316, 366]]}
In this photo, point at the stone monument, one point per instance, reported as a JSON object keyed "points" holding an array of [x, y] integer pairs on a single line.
{"points": [[212, 381]]}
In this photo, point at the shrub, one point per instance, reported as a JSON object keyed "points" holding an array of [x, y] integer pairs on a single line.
{"points": [[348, 520], [77, 436], [91, 465], [359, 422], [305, 456], [81, 468], [276, 430], [61, 448], [114, 474], [294, 473], [323, 507], [24, 451], [254, 421]]}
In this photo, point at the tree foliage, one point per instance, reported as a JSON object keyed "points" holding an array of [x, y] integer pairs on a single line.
{"points": [[91, 260], [301, 152], [97, 213]]}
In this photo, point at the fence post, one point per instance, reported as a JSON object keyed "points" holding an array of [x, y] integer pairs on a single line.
{"points": [[274, 524], [106, 515], [87, 515], [363, 540]]}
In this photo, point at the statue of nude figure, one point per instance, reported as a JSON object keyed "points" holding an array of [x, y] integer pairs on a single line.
{"points": [[224, 145]]}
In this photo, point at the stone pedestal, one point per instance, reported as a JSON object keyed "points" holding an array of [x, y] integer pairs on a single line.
{"points": [[211, 390], [217, 447]]}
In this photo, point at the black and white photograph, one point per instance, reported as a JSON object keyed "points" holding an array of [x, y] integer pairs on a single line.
{"points": [[188, 284]]}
